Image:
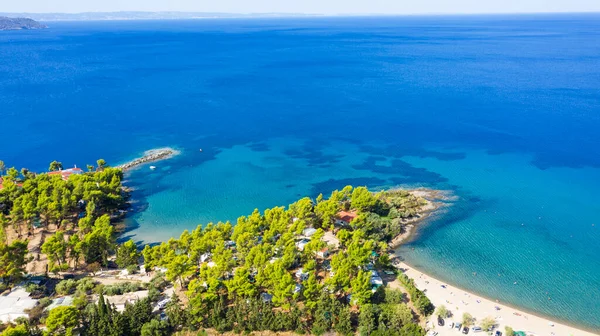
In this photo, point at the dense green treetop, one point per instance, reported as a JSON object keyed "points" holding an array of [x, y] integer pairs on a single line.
{"points": [[265, 256], [268, 272]]}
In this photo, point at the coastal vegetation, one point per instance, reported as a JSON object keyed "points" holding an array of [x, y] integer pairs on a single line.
{"points": [[71, 209], [313, 267]]}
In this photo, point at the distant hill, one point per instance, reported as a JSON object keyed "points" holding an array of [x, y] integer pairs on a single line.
{"points": [[7, 23], [99, 16]]}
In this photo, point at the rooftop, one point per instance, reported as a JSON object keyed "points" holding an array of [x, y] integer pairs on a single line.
{"points": [[347, 216], [120, 300], [308, 232], [14, 304], [65, 173], [63, 301]]}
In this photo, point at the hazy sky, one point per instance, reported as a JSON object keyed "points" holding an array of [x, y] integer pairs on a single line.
{"points": [[304, 6]]}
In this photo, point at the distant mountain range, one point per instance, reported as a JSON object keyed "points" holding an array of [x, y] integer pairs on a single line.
{"points": [[95, 16], [18, 23]]}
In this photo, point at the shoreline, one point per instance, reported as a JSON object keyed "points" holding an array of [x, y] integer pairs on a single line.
{"points": [[526, 321], [152, 155], [453, 296], [434, 198]]}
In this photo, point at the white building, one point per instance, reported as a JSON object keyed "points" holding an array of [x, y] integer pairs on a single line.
{"points": [[300, 244], [14, 304], [309, 232], [300, 274], [120, 300], [323, 253]]}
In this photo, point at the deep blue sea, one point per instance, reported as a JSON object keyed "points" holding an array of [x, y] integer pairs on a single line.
{"points": [[503, 111]]}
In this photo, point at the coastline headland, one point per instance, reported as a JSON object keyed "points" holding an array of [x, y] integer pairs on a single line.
{"points": [[153, 155], [435, 201]]}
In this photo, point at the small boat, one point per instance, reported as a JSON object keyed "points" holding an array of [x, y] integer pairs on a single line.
{"points": [[152, 167], [200, 149]]}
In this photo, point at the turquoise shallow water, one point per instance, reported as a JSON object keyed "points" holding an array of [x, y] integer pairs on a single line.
{"points": [[508, 221], [517, 224], [504, 111]]}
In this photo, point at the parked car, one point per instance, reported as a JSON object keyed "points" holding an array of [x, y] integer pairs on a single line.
{"points": [[458, 325], [450, 325], [498, 333], [440, 321], [432, 333], [465, 330], [476, 329], [162, 304]]}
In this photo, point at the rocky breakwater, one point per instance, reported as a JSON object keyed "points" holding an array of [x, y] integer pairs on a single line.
{"points": [[152, 155]]}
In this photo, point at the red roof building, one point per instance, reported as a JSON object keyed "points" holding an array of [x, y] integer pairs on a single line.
{"points": [[2, 184], [65, 173], [345, 217]]}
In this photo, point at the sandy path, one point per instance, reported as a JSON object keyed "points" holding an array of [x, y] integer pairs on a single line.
{"points": [[459, 301]]}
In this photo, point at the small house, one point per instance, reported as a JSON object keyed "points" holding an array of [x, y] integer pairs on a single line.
{"points": [[14, 304], [309, 232], [300, 244], [345, 217], [323, 253], [301, 275], [61, 301], [66, 173]]}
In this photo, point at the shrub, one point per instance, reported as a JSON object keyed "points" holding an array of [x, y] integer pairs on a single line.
{"points": [[18, 330], [99, 289], [80, 301], [85, 286], [35, 290], [442, 311], [66, 287], [393, 296], [133, 269], [154, 328], [45, 302], [153, 294], [419, 299], [120, 288], [468, 319], [159, 282]]}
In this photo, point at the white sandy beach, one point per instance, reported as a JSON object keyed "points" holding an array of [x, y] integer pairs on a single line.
{"points": [[459, 301]]}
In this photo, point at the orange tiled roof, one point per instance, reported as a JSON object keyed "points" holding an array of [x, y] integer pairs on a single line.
{"points": [[347, 216]]}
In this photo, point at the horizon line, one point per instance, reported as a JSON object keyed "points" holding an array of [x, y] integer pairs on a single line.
{"points": [[309, 14]]}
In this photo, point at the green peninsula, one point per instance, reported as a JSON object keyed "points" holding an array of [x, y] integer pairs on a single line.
{"points": [[317, 266]]}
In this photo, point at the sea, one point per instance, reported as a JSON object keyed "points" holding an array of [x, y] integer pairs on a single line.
{"points": [[502, 112]]}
